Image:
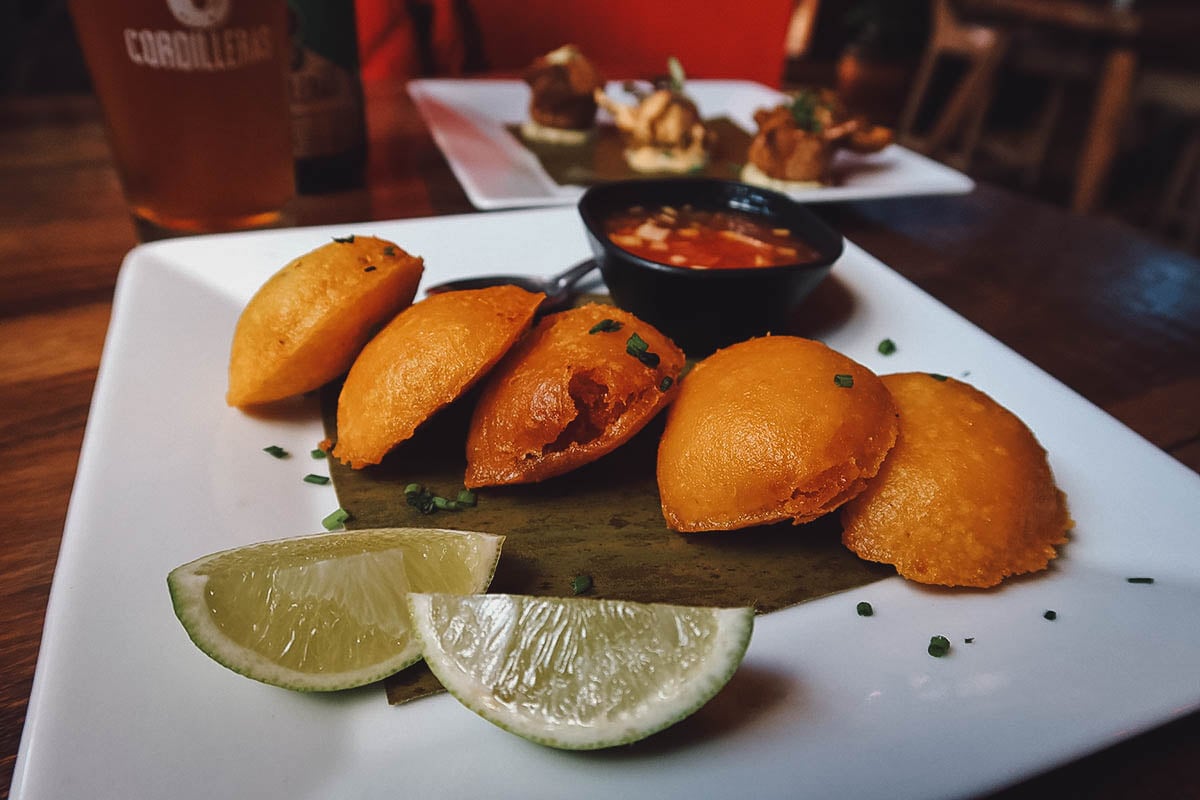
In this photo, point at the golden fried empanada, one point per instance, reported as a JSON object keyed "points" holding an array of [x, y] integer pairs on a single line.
{"points": [[966, 498], [425, 358], [308, 322], [580, 385], [771, 429]]}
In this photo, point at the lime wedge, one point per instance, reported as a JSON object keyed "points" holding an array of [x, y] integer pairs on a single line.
{"points": [[576, 673], [328, 611]]}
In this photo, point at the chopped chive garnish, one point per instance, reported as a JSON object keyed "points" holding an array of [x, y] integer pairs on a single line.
{"points": [[864, 609], [938, 646], [369, 268], [389, 251], [605, 326], [887, 347], [344, 239], [318, 454], [937, 376], [665, 383], [427, 502], [319, 480], [336, 520], [1140, 580], [1051, 614], [581, 583], [637, 347], [969, 640], [276, 451], [843, 380]]}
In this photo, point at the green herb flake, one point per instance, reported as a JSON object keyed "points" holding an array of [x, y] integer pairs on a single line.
{"points": [[665, 383], [319, 480], [637, 347], [887, 347], [843, 380], [336, 520], [389, 251], [1139, 580], [938, 646], [344, 239], [969, 640], [804, 111], [864, 609], [605, 326], [425, 501], [581, 584], [1050, 614], [938, 376], [318, 454], [276, 451], [369, 268]]}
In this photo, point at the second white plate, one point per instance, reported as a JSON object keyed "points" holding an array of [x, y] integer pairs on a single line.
{"points": [[468, 120]]}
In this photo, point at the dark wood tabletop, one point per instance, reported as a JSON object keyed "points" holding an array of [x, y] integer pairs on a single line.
{"points": [[1107, 311]]}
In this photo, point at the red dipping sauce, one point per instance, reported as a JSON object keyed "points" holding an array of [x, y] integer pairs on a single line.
{"points": [[699, 239]]}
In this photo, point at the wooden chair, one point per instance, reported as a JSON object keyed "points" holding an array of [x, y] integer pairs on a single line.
{"points": [[1178, 211], [982, 48]]}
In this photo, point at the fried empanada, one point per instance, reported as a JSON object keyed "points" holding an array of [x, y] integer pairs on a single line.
{"points": [[308, 322], [771, 429], [966, 498], [425, 358], [580, 385]]}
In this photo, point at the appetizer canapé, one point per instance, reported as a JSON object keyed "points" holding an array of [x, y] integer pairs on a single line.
{"points": [[562, 106], [663, 131], [796, 141]]}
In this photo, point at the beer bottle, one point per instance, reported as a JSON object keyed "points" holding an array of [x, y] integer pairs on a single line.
{"points": [[329, 138]]}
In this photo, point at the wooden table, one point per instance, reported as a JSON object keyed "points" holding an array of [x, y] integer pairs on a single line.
{"points": [[1113, 315]]}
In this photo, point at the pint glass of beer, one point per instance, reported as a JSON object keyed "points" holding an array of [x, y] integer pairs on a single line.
{"points": [[195, 100]]}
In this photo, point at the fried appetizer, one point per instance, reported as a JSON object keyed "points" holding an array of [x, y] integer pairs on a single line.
{"points": [[578, 387], [771, 429], [425, 358], [966, 498], [796, 141], [562, 105], [663, 131], [307, 323]]}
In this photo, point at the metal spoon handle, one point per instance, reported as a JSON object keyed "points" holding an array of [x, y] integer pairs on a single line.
{"points": [[565, 280]]}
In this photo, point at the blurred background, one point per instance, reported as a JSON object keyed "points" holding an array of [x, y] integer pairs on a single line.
{"points": [[1009, 91]]}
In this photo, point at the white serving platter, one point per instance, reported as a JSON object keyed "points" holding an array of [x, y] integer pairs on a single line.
{"points": [[826, 704], [468, 120]]}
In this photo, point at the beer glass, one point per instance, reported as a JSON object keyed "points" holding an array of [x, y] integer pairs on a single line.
{"points": [[195, 100]]}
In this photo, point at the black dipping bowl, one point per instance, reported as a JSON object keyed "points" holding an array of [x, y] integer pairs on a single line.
{"points": [[705, 309]]}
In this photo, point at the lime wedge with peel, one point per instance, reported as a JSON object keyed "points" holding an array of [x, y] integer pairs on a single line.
{"points": [[578, 673], [326, 611]]}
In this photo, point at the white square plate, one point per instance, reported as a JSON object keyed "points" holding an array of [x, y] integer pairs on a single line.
{"points": [[468, 117], [826, 704]]}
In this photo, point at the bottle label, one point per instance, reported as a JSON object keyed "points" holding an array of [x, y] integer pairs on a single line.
{"points": [[326, 95]]}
